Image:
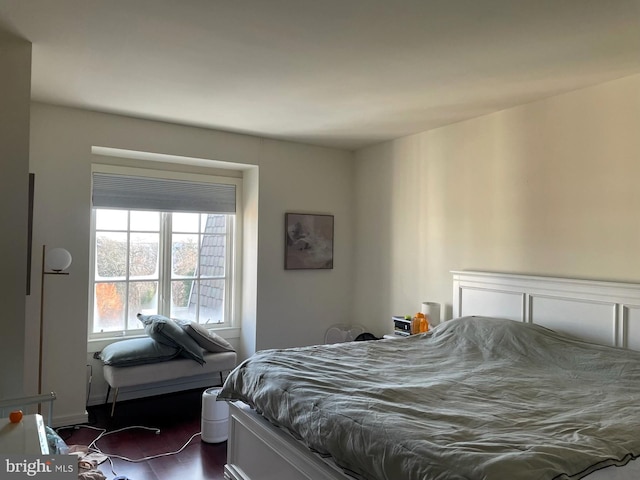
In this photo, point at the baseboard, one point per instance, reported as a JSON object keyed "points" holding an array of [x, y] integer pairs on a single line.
{"points": [[66, 420]]}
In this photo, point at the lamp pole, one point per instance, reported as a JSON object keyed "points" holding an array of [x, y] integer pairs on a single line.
{"points": [[60, 262]]}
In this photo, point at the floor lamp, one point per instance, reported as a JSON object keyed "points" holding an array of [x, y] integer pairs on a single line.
{"points": [[57, 260]]}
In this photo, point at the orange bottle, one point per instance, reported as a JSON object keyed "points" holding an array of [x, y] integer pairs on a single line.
{"points": [[419, 323], [424, 325]]}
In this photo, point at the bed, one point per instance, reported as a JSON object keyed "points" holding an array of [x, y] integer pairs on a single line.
{"points": [[535, 378]]}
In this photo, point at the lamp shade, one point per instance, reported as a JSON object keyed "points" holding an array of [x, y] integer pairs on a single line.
{"points": [[432, 312], [58, 259]]}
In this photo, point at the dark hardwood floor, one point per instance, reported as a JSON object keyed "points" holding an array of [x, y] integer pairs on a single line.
{"points": [[178, 418]]}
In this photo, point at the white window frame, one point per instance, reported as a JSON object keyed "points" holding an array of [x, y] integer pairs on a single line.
{"points": [[233, 251]]}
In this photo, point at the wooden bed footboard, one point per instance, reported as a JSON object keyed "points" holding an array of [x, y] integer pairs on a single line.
{"points": [[257, 450]]}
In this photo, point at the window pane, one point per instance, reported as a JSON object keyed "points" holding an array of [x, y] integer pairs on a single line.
{"points": [[213, 255], [184, 255], [111, 255], [184, 296], [211, 301], [145, 221], [143, 257], [215, 224], [183, 300], [143, 298], [130, 268], [185, 222], [111, 219], [109, 303]]}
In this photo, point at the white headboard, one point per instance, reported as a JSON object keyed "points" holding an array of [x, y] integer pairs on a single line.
{"points": [[607, 313]]}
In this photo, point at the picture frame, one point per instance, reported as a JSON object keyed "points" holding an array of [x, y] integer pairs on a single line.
{"points": [[308, 241]]}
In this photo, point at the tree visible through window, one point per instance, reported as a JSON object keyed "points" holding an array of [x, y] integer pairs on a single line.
{"points": [[171, 263]]}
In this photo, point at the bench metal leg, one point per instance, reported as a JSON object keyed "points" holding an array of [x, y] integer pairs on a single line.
{"points": [[115, 397], [106, 400]]}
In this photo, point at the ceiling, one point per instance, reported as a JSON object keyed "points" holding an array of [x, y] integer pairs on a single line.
{"points": [[341, 73]]}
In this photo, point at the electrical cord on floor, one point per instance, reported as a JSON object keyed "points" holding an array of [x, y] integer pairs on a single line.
{"points": [[93, 447]]}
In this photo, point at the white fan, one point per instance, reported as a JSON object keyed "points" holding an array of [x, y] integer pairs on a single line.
{"points": [[341, 332]]}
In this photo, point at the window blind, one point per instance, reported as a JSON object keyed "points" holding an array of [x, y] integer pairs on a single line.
{"points": [[162, 194]]}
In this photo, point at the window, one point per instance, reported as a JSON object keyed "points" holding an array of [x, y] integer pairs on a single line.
{"points": [[180, 264]]}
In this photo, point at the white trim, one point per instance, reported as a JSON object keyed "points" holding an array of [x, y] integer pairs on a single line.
{"points": [[63, 421], [169, 159]]}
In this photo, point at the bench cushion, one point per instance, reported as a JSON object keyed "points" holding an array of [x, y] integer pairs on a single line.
{"points": [[170, 370], [137, 351]]}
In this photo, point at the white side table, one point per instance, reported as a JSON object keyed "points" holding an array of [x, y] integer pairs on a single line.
{"points": [[26, 436]]}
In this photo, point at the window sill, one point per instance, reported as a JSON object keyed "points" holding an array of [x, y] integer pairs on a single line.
{"points": [[97, 344]]}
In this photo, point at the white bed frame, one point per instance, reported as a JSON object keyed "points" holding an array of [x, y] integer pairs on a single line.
{"points": [[607, 313]]}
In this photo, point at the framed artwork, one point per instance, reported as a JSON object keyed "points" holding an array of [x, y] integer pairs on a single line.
{"points": [[308, 241]]}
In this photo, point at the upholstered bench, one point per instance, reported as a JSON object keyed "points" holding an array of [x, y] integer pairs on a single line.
{"points": [[163, 371], [173, 350]]}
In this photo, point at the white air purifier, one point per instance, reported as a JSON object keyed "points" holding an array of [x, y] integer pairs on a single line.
{"points": [[215, 417]]}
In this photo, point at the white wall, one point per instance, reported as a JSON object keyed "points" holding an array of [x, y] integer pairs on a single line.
{"points": [[15, 85], [304, 303], [547, 188], [280, 177]]}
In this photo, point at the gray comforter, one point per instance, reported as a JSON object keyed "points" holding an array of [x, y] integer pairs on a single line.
{"points": [[475, 398]]}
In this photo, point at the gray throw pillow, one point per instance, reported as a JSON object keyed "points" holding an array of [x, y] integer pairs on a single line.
{"points": [[164, 330], [210, 341], [136, 351]]}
